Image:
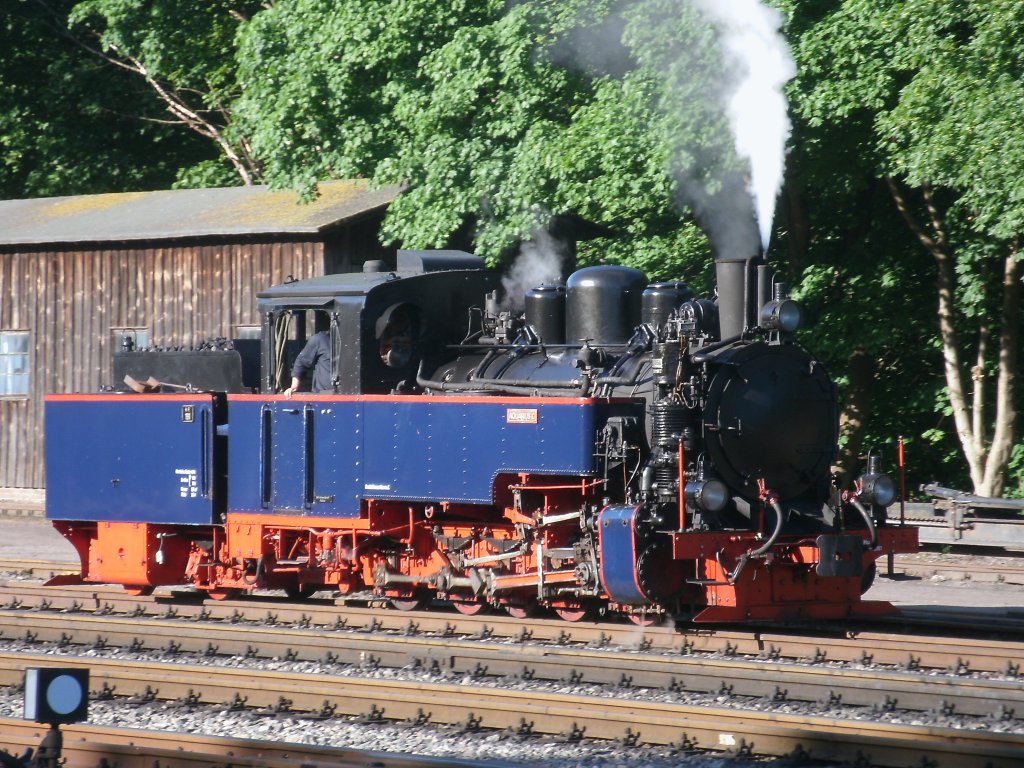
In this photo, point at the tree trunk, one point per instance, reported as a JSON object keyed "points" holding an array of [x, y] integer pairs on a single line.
{"points": [[1006, 383], [987, 461], [972, 443], [856, 407]]}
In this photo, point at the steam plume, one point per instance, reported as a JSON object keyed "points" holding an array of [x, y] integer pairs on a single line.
{"points": [[734, 208], [759, 62], [539, 261]]}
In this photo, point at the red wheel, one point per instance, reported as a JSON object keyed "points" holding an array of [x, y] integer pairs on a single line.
{"points": [[644, 619], [468, 609], [417, 602], [574, 611], [222, 594], [522, 610], [135, 590], [867, 578]]}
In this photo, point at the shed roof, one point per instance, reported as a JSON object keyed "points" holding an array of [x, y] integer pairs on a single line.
{"points": [[185, 213]]}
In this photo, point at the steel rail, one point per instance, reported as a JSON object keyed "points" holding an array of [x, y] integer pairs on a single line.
{"points": [[664, 723], [825, 643], [39, 569], [734, 677], [938, 653], [87, 746], [962, 570]]}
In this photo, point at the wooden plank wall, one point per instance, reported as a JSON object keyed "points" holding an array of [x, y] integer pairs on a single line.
{"points": [[70, 299], [358, 241]]}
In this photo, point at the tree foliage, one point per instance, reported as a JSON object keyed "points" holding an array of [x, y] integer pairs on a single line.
{"points": [[900, 220], [69, 123], [494, 116], [183, 53], [933, 88]]}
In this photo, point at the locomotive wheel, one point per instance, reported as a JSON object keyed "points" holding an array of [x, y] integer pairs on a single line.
{"points": [[574, 612], [522, 610], [134, 590], [467, 608], [417, 602], [644, 619], [222, 594]]}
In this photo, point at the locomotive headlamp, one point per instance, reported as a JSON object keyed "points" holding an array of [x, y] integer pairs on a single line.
{"points": [[709, 495], [782, 315], [878, 489]]}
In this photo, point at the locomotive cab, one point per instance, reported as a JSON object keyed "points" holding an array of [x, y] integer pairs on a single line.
{"points": [[382, 324]]}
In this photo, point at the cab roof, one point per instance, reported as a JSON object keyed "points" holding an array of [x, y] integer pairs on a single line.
{"points": [[409, 263]]}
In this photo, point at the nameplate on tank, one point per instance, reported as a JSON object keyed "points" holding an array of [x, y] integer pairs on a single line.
{"points": [[521, 416]]}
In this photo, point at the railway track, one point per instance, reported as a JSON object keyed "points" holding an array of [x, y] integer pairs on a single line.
{"points": [[731, 667], [966, 653], [87, 746], [728, 678], [966, 568], [495, 653], [471, 706], [37, 569]]}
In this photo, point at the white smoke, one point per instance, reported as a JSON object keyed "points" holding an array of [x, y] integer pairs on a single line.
{"points": [[539, 261], [759, 64], [735, 208]]}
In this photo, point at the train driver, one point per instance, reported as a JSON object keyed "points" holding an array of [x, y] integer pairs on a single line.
{"points": [[315, 357]]}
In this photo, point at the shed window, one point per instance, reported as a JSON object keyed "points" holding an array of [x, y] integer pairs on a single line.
{"points": [[13, 363], [127, 339]]}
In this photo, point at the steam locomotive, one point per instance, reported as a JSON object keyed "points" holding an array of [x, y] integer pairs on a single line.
{"points": [[618, 447]]}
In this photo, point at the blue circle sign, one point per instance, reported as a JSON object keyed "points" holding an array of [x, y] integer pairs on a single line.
{"points": [[64, 694]]}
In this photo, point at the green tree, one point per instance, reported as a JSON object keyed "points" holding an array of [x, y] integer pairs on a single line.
{"points": [[474, 105], [501, 120], [600, 121], [938, 84], [183, 52], [70, 124], [862, 280], [320, 80]]}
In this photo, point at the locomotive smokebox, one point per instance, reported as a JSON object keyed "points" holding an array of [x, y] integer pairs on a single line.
{"points": [[545, 312], [603, 304]]}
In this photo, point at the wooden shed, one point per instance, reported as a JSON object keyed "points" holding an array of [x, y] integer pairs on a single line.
{"points": [[79, 274]]}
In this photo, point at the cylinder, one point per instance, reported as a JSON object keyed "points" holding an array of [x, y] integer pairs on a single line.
{"points": [[491, 304], [545, 312], [670, 423], [874, 464], [603, 304]]}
